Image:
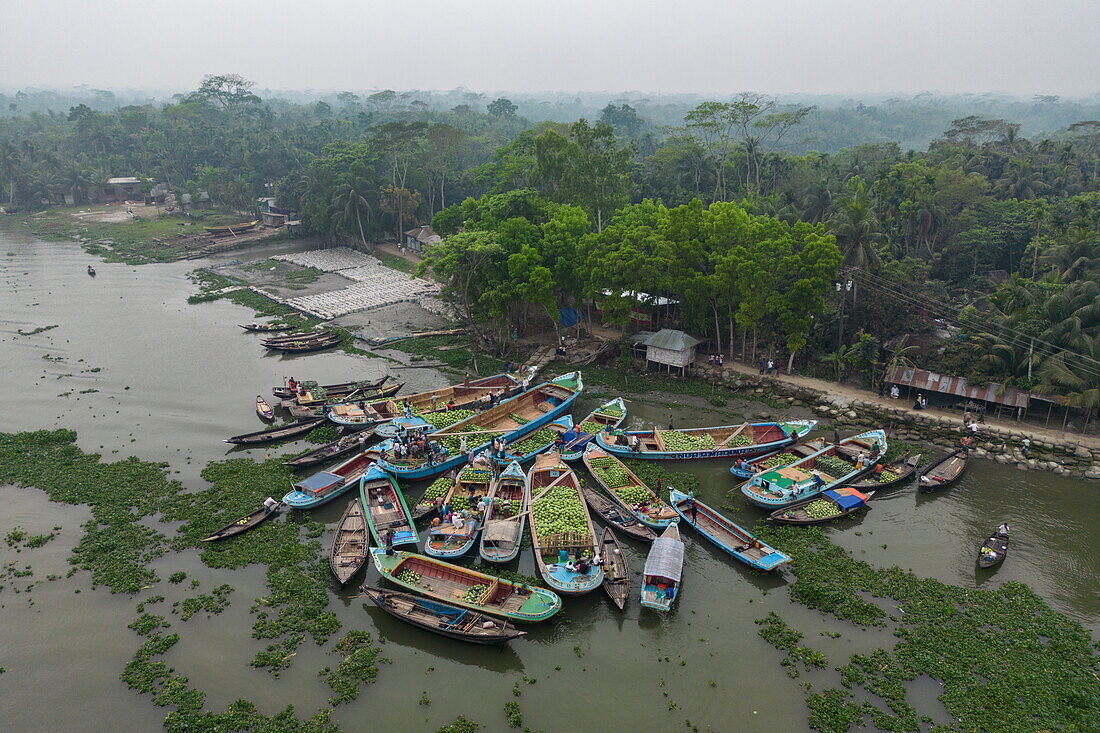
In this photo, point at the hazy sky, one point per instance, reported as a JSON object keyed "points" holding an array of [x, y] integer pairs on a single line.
{"points": [[776, 46]]}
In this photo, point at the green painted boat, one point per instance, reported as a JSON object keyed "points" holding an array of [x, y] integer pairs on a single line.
{"points": [[386, 509], [452, 584]]}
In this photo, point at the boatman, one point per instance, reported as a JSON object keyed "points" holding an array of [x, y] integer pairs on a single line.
{"points": [[270, 504]]}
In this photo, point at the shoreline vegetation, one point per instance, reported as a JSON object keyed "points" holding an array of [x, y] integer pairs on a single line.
{"points": [[1006, 660]]}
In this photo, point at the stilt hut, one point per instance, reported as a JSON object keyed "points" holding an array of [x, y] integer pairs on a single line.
{"points": [[672, 348]]}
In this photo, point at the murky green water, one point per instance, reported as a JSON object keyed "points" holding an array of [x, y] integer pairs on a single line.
{"points": [[174, 379]]}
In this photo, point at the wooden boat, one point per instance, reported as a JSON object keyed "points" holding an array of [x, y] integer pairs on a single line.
{"points": [[386, 509], [506, 517], [510, 419], [944, 472], [607, 416], [829, 468], [663, 568], [902, 470], [302, 347], [91, 270], [469, 395], [993, 550], [616, 574], [626, 489], [331, 451], [454, 622], [465, 587], [612, 513], [747, 468], [524, 448], [332, 390], [728, 536], [745, 440], [324, 486], [449, 540], [233, 229], [280, 433], [349, 547], [245, 523], [266, 327], [300, 336], [550, 479], [317, 396], [321, 406], [263, 409], [826, 506]]}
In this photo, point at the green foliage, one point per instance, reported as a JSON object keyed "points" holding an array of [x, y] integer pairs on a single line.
{"points": [[513, 715], [460, 725], [214, 602], [358, 666]]}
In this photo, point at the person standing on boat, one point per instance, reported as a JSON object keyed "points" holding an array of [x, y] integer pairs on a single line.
{"points": [[1003, 529], [836, 435], [388, 538], [292, 385], [271, 504], [692, 506]]}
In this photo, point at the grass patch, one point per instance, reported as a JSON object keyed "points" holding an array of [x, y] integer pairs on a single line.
{"points": [[395, 262], [359, 666], [32, 332], [633, 382]]}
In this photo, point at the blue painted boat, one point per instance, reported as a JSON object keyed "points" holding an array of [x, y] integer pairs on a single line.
{"points": [[629, 492], [830, 467], [607, 416], [745, 440], [510, 419], [324, 486], [728, 536], [561, 556], [523, 450], [455, 538], [467, 395], [506, 517], [746, 468], [663, 569], [386, 509]]}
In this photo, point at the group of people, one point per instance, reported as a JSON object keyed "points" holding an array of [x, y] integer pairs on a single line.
{"points": [[767, 366], [920, 402], [583, 565], [716, 359], [414, 444]]}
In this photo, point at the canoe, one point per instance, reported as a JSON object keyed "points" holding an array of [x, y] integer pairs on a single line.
{"points": [[463, 396], [301, 347], [902, 470], [265, 327], [615, 515], [663, 569], [747, 468], [300, 336], [321, 407], [551, 481], [828, 505], [332, 390], [523, 449], [349, 547], [324, 486], [447, 540], [616, 574], [944, 472], [467, 588], [454, 622], [745, 440], [510, 419], [607, 416], [993, 550], [317, 396], [627, 490], [233, 228], [728, 536], [263, 409], [331, 451], [506, 517], [242, 525], [280, 433], [831, 467], [386, 509]]}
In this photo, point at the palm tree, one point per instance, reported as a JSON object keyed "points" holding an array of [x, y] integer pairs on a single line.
{"points": [[347, 204], [838, 359], [10, 162], [1075, 376], [1075, 256], [857, 227]]}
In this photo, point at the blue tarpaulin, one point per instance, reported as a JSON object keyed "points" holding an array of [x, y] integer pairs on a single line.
{"points": [[568, 317], [844, 499], [318, 482]]}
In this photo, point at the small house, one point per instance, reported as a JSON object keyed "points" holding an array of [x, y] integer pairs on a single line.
{"points": [[421, 238], [125, 188], [674, 349]]}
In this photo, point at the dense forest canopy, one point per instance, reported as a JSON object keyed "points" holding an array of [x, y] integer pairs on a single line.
{"points": [[812, 230]]}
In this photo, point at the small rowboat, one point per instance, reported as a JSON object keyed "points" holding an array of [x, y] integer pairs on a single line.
{"points": [[245, 523], [317, 396], [626, 489], [387, 513], [552, 478], [447, 540], [467, 588], [747, 468], [615, 515], [332, 390], [233, 229], [266, 327], [454, 622], [324, 486], [663, 568], [91, 270], [993, 550], [616, 574], [607, 416], [745, 440], [829, 505], [300, 336], [321, 407], [727, 535], [331, 451], [902, 470], [349, 547], [263, 409], [302, 347], [944, 472], [506, 517], [467, 395], [267, 436]]}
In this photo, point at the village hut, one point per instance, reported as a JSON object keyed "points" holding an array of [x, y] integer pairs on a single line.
{"points": [[672, 348]]}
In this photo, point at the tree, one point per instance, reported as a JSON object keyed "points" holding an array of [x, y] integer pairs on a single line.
{"points": [[231, 92], [401, 204], [857, 227], [348, 203], [502, 108], [588, 168]]}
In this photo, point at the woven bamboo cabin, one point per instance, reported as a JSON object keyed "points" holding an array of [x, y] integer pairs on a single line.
{"points": [[672, 348]]}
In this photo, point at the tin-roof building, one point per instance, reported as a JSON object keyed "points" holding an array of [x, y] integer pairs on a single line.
{"points": [[672, 348]]}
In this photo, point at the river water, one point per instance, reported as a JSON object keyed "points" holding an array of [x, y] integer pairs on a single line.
{"points": [[172, 379]]}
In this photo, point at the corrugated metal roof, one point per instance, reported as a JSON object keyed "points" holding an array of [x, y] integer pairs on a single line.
{"points": [[933, 382], [124, 181], [671, 339], [666, 558]]}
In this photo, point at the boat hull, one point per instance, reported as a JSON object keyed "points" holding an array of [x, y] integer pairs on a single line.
{"points": [[769, 561], [398, 604], [745, 451]]}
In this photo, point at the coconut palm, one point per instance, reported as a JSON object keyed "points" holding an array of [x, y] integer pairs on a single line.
{"points": [[348, 204], [857, 227]]}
